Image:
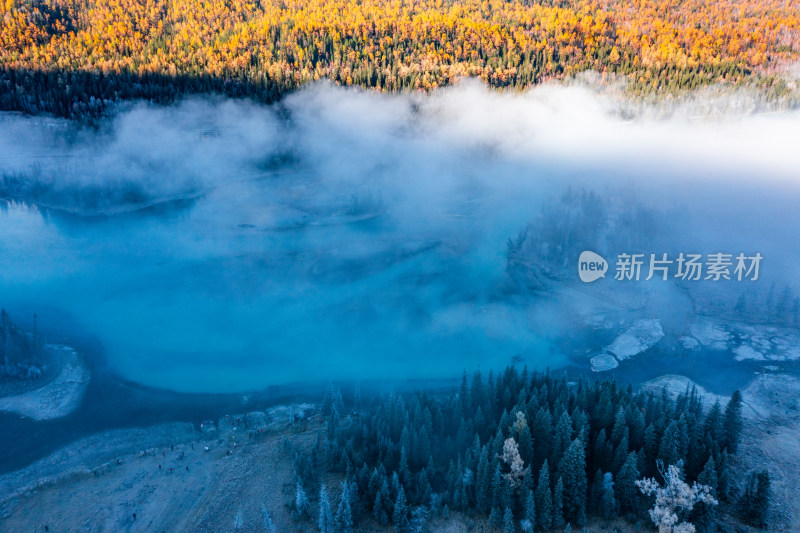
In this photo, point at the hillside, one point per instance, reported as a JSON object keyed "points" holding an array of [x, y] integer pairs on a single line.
{"points": [[73, 57]]}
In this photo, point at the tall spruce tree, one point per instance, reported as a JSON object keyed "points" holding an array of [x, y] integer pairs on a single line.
{"points": [[325, 522], [669, 449], [593, 503], [544, 498], [344, 515], [530, 509], [703, 514], [508, 521], [562, 438], [400, 514], [714, 428], [608, 503], [733, 422], [572, 470], [302, 508], [558, 503], [625, 487], [754, 503]]}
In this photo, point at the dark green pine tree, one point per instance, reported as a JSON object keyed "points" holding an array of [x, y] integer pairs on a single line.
{"points": [[541, 430], [483, 484], [650, 445], [593, 504], [581, 426], [495, 518], [733, 422], [528, 485], [464, 397], [344, 515], [709, 476], [476, 391], [608, 503], [524, 442], [400, 515], [625, 487], [636, 426], [419, 519], [508, 521], [328, 399], [530, 509], [620, 429], [620, 455], [544, 499], [378, 511], [754, 503], [683, 438], [325, 522], [598, 456], [302, 508], [703, 515], [561, 440], [714, 428], [668, 450], [402, 468], [356, 503], [558, 504], [385, 509], [723, 475], [500, 498], [605, 411], [572, 470]]}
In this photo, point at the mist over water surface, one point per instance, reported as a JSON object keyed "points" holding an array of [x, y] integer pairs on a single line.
{"points": [[219, 246]]}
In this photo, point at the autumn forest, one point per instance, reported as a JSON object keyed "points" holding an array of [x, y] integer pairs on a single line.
{"points": [[73, 57]]}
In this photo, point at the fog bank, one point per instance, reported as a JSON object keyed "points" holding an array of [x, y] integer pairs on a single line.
{"points": [[217, 245]]}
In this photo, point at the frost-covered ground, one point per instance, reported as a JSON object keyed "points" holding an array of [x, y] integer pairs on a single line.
{"points": [[178, 478], [771, 437], [745, 341], [771, 441], [641, 336], [677, 385], [603, 362], [172, 477], [57, 398]]}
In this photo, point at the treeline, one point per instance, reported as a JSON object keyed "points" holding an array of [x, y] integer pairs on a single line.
{"points": [[530, 452], [87, 95], [779, 306], [21, 352], [129, 48]]}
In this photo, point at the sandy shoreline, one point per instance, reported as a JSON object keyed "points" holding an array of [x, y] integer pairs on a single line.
{"points": [[59, 397]]}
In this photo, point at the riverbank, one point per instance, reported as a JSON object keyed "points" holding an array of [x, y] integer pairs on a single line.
{"points": [[184, 477], [167, 477], [60, 396], [770, 439]]}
